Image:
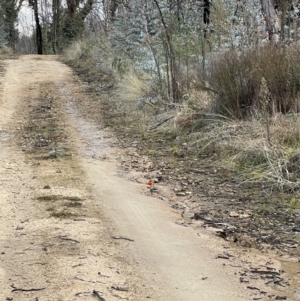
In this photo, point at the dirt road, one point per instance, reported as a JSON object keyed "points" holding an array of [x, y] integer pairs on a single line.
{"points": [[72, 228]]}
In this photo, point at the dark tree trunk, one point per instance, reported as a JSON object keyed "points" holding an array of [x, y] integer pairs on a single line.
{"points": [[71, 8], [113, 9], [39, 37], [206, 12], [55, 24]]}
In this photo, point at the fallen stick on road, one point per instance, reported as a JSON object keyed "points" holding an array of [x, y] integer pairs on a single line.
{"points": [[122, 237], [70, 239], [15, 289]]}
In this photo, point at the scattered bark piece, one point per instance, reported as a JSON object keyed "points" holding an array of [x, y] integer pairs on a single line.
{"points": [[95, 293], [243, 280], [253, 288], [119, 288], [281, 298], [223, 256]]}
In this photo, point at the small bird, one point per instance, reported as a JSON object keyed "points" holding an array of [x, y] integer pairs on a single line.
{"points": [[151, 183]]}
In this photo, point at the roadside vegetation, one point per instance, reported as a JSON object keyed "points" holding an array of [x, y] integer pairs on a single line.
{"points": [[244, 116]]}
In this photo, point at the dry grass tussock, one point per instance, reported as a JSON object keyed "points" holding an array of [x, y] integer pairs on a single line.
{"points": [[236, 77], [131, 92], [196, 111], [132, 100], [244, 147], [74, 52]]}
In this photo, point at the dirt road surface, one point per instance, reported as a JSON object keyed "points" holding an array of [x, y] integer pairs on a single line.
{"points": [[72, 228]]}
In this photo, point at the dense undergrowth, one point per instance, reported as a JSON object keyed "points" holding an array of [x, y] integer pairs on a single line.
{"points": [[242, 115]]}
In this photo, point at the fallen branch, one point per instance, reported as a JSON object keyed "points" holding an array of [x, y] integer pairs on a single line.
{"points": [[160, 123], [118, 288], [122, 237], [70, 239], [265, 272], [15, 289]]}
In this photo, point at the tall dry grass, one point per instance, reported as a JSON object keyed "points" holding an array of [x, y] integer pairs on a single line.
{"points": [[236, 79], [243, 147]]}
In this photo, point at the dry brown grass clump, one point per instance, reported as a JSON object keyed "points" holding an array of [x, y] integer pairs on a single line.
{"points": [[237, 77], [245, 148]]}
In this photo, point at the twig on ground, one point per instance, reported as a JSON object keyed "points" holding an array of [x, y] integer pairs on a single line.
{"points": [[98, 295], [118, 288], [15, 289], [265, 272], [160, 123], [122, 237], [223, 256], [70, 239]]}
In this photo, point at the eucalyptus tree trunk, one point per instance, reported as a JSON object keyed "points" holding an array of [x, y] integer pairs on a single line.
{"points": [[272, 20]]}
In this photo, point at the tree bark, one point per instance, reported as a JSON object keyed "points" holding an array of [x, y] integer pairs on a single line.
{"points": [[272, 20], [206, 12], [71, 8], [113, 9], [55, 24], [39, 37]]}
